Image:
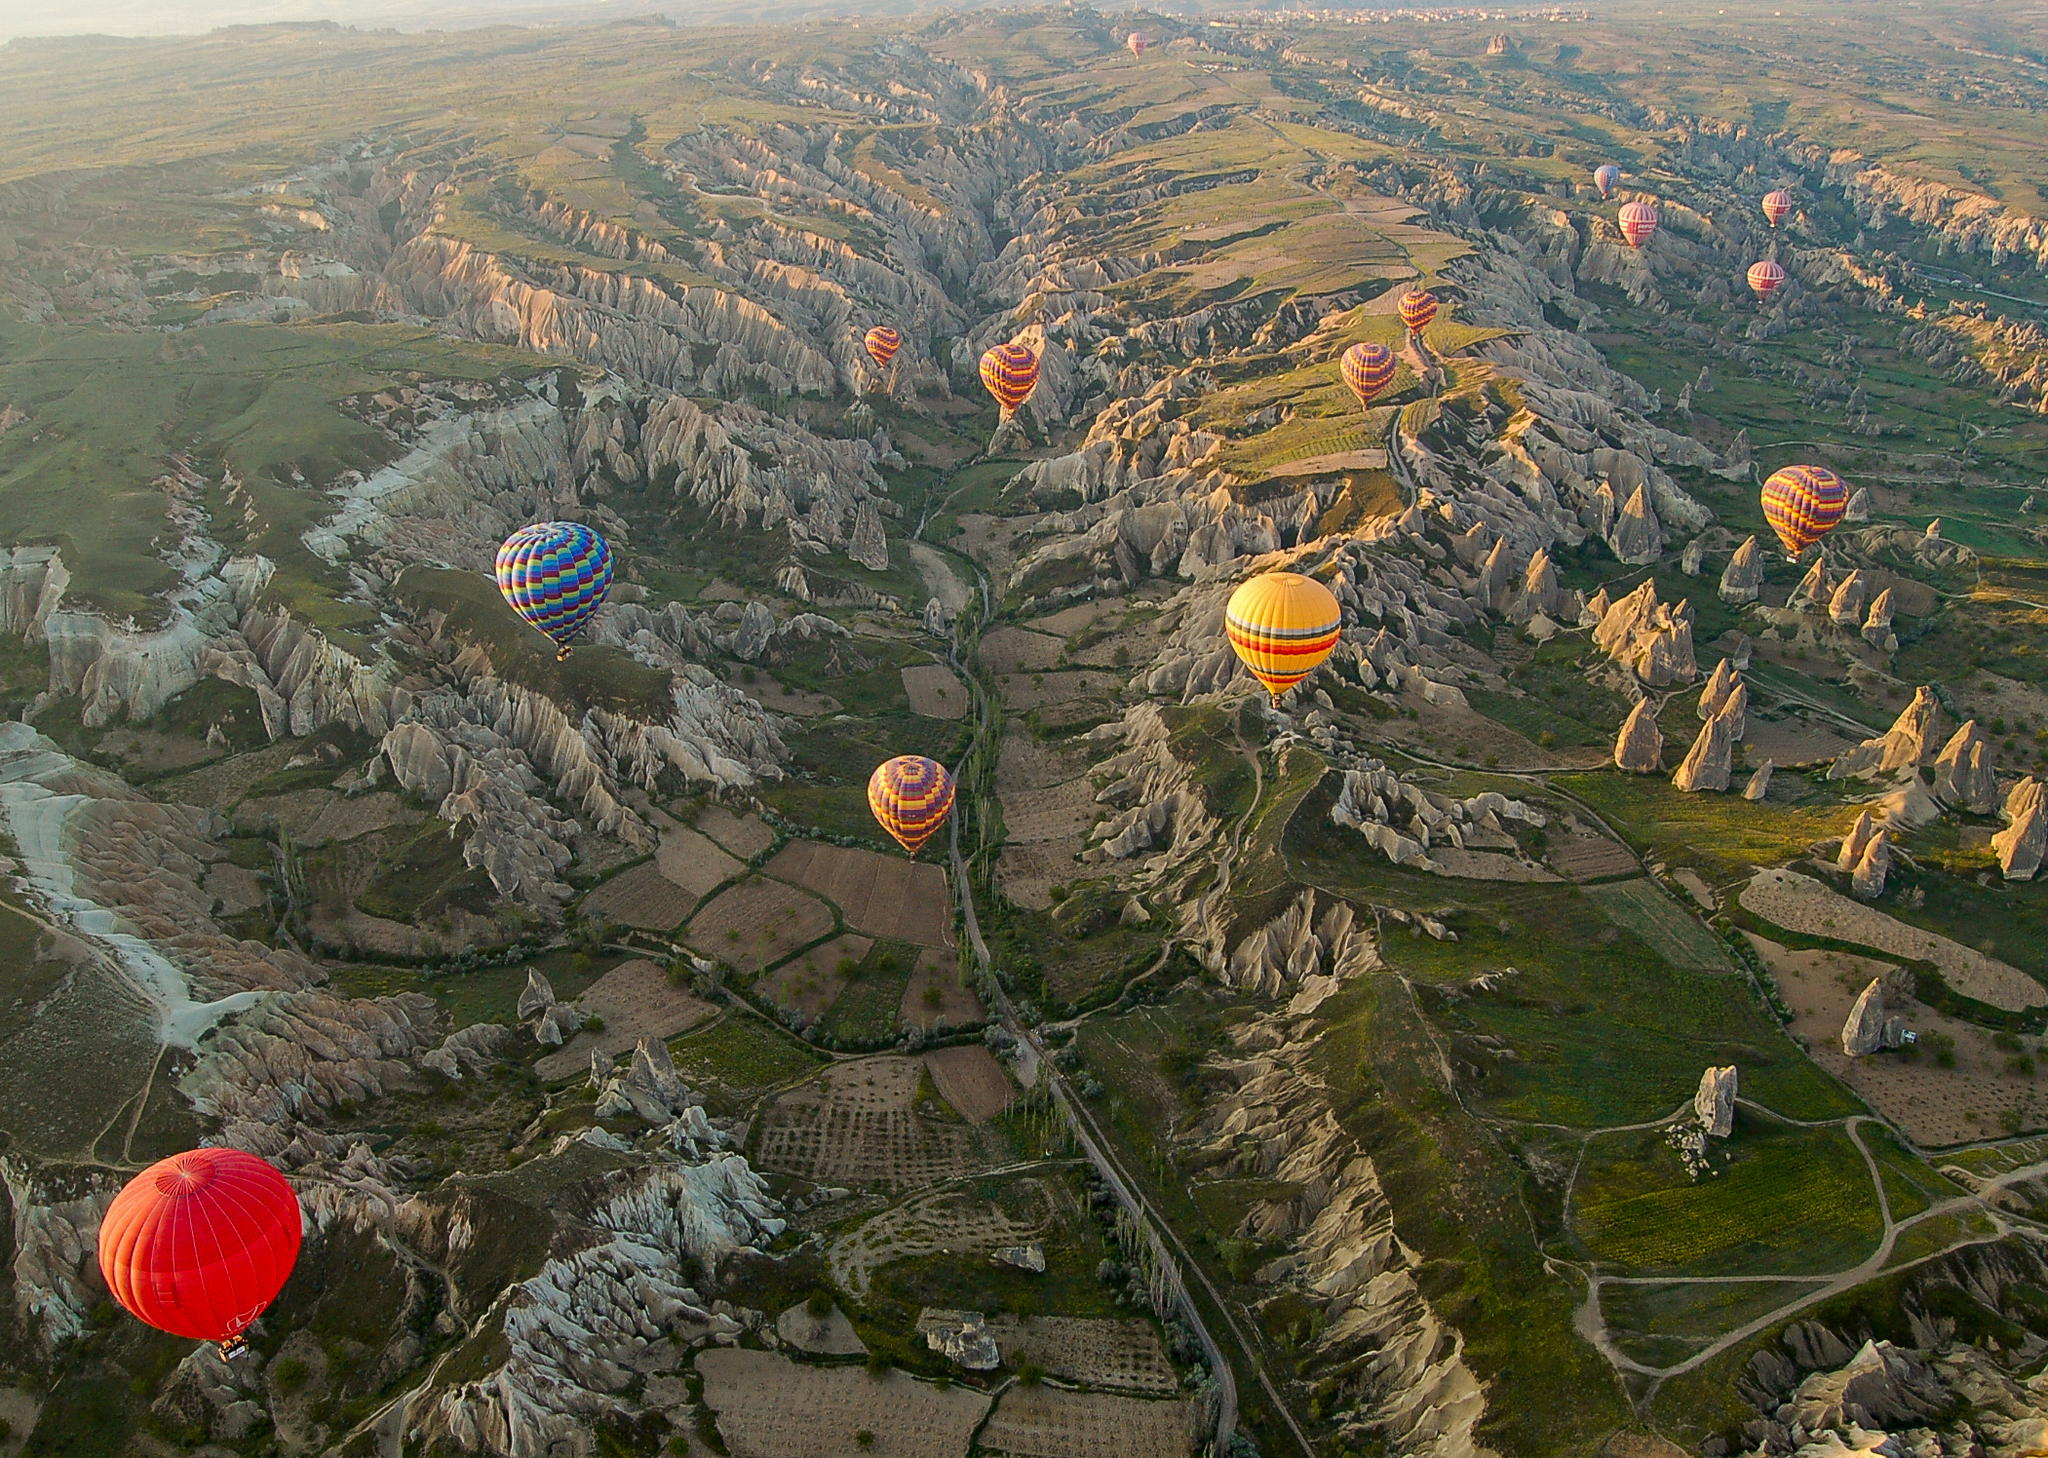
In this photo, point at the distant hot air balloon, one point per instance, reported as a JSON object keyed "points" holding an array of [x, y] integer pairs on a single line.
{"points": [[556, 575], [1765, 278], [1802, 505], [1139, 42], [1607, 177], [199, 1244], [1010, 371], [1283, 625], [1418, 307], [1638, 222], [911, 797], [1777, 206], [1368, 369], [882, 343]]}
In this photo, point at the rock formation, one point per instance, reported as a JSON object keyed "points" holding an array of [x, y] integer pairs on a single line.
{"points": [[1714, 1104], [2023, 844], [1869, 1028], [1872, 867], [962, 1338], [551, 1022], [1707, 765], [1759, 785], [1649, 637], [1639, 747], [1909, 741], [1715, 691], [1744, 576], [1856, 841], [1849, 601], [1877, 623], [1963, 777], [1404, 821]]}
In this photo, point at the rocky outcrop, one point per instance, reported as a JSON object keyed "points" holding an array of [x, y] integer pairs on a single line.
{"points": [[1404, 821], [2023, 844], [962, 1338], [1299, 949], [1963, 777], [1649, 637], [1867, 879], [1849, 600], [1636, 536], [1877, 623], [1708, 764], [1904, 746], [649, 1090], [1870, 1028], [552, 1022], [1714, 692], [1639, 747], [1856, 841], [1743, 577], [1714, 1104]]}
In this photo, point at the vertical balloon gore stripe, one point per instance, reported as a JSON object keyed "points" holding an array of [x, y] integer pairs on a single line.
{"points": [[1777, 206], [1282, 626], [1638, 222], [1765, 278], [1417, 308], [1607, 177]]}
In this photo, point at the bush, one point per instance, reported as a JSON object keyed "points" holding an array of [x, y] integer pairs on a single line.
{"points": [[819, 1304], [1030, 1374], [593, 1024], [289, 1375], [864, 1438], [879, 1364]]}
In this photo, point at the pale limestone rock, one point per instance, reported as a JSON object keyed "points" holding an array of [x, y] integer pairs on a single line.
{"points": [[1694, 557], [1759, 783], [1715, 691], [1933, 532], [1877, 624], [1909, 741], [1649, 637], [1846, 605], [1867, 880], [1639, 747], [962, 1338], [1735, 710], [1706, 765], [1744, 575], [1858, 506], [1636, 536], [1714, 1104], [649, 1090], [1023, 1257], [1854, 843], [1814, 588], [2023, 844], [1963, 777], [1494, 575], [537, 996], [1864, 1032]]}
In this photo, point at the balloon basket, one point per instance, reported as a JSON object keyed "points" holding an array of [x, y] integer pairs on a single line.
{"points": [[232, 1348], [562, 655]]}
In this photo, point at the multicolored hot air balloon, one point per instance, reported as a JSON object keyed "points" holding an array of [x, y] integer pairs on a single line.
{"points": [[1010, 371], [1368, 369], [1607, 177], [200, 1244], [556, 575], [1803, 504], [911, 797], [1139, 42], [1777, 206], [1765, 278], [882, 343], [1638, 222], [1418, 307], [1283, 625]]}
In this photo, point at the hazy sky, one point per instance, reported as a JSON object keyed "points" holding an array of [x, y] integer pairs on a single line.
{"points": [[184, 17]]}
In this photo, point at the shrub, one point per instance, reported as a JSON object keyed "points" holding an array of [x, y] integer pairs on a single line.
{"points": [[819, 1303], [1030, 1374], [290, 1374], [865, 1438]]}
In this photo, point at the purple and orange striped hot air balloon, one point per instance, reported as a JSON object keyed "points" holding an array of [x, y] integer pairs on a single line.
{"points": [[911, 797], [882, 342], [1638, 222], [1010, 372], [1368, 369], [1417, 308], [1803, 504]]}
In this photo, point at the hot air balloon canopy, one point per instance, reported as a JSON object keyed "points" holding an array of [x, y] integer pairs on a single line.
{"points": [[1368, 369], [1638, 222], [1777, 206], [200, 1244], [1010, 372], [556, 575], [1139, 42], [911, 796], [1803, 504], [1417, 307], [882, 343], [1282, 625], [1606, 177], [1765, 278]]}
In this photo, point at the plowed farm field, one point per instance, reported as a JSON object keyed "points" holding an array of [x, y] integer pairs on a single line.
{"points": [[887, 897]]}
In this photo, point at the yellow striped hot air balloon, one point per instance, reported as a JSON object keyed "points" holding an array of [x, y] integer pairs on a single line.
{"points": [[1368, 369], [882, 342], [1417, 307], [911, 797], [1010, 372], [1803, 504], [1283, 625]]}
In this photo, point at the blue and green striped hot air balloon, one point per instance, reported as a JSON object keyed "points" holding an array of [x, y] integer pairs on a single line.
{"points": [[556, 575]]}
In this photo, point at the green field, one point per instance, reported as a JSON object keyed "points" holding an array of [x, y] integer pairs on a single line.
{"points": [[743, 1053]]}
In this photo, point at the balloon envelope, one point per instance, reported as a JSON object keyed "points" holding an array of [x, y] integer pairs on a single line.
{"points": [[911, 796], [1139, 42], [1765, 278], [199, 1244], [1803, 504], [1638, 222], [1282, 625], [556, 575], [1368, 369], [882, 343], [1606, 177], [1777, 206], [1418, 307], [1010, 371]]}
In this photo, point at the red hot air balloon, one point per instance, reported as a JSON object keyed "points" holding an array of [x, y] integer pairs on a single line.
{"points": [[1765, 278], [1638, 222], [1368, 369], [882, 343], [1010, 372], [1139, 42], [199, 1244], [1777, 206], [1418, 307]]}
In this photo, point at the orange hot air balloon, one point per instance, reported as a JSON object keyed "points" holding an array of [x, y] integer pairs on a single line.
{"points": [[1139, 42], [199, 1244], [1283, 626], [1803, 504], [1418, 307], [1638, 222], [1368, 369], [911, 796], [882, 343], [1765, 278], [1777, 206], [1010, 371]]}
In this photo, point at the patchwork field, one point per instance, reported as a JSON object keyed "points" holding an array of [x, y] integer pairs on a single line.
{"points": [[934, 996], [857, 1124], [746, 836], [1093, 1351], [742, 1053], [935, 691], [692, 859], [812, 980], [971, 1079], [636, 1000], [642, 897], [757, 923], [888, 897], [1046, 1422], [770, 1407], [933, 1222]]}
